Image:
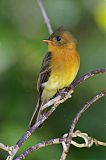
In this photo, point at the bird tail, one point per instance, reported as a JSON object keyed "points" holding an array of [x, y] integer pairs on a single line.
{"points": [[36, 113]]}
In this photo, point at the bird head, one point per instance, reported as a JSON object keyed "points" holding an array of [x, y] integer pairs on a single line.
{"points": [[60, 38]]}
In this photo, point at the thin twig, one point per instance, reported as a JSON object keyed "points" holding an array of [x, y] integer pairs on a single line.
{"points": [[5, 147], [86, 107], [76, 119], [66, 142], [10, 149], [45, 16], [88, 142], [38, 146], [64, 94]]}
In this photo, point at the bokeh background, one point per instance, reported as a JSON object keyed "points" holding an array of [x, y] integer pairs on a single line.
{"points": [[22, 29]]}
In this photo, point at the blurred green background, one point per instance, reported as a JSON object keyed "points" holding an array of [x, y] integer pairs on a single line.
{"points": [[22, 29]]}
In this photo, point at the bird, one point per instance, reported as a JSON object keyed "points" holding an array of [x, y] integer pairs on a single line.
{"points": [[58, 70]]}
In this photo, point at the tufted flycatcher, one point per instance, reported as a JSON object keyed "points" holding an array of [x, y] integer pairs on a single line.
{"points": [[59, 68]]}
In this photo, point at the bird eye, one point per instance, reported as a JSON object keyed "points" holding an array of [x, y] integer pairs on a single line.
{"points": [[58, 38]]}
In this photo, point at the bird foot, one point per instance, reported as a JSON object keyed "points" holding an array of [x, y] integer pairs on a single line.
{"points": [[64, 95]]}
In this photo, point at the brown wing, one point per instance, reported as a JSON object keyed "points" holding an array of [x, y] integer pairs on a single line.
{"points": [[43, 77], [44, 72]]}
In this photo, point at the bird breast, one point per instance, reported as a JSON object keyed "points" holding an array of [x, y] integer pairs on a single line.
{"points": [[64, 67]]}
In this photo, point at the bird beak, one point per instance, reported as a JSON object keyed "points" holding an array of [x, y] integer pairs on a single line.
{"points": [[46, 41]]}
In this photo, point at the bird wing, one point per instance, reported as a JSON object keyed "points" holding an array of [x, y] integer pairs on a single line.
{"points": [[44, 72], [42, 79]]}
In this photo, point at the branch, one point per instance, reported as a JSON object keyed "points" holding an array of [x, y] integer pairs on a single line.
{"points": [[66, 93], [88, 142], [45, 16], [10, 149], [76, 119], [60, 98], [6, 148]]}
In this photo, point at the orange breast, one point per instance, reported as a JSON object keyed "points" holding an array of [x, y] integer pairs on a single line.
{"points": [[65, 64]]}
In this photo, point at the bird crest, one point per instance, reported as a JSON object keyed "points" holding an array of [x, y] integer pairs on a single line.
{"points": [[57, 32]]}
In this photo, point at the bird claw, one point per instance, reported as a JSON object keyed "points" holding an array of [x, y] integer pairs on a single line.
{"points": [[64, 96], [67, 95]]}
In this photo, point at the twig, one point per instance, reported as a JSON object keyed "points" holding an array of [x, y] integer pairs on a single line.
{"points": [[85, 107], [45, 16], [5, 147], [38, 146], [12, 152], [66, 142], [60, 98], [65, 93], [10, 149], [76, 119], [89, 141]]}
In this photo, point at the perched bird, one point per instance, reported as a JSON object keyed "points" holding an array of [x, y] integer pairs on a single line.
{"points": [[59, 68]]}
